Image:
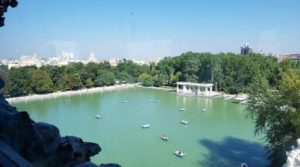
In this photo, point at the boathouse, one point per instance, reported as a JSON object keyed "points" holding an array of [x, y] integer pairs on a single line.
{"points": [[197, 89]]}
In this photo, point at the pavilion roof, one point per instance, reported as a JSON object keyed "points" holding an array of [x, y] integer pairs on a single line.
{"points": [[195, 84]]}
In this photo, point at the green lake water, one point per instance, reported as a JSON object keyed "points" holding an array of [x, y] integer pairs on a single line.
{"points": [[221, 136]]}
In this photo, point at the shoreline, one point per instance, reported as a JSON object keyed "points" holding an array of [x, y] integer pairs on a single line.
{"points": [[239, 98], [158, 88], [69, 93]]}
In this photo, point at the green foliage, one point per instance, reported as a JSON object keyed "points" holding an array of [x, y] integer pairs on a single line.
{"points": [[158, 80], [89, 83], [28, 80], [20, 81], [41, 82], [231, 73], [128, 71], [90, 71], [175, 78], [73, 81], [105, 78], [146, 79], [277, 114]]}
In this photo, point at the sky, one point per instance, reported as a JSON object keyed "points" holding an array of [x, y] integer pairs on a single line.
{"points": [[149, 29]]}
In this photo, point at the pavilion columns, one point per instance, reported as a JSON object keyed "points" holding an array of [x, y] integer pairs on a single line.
{"points": [[177, 88], [183, 89], [205, 90]]}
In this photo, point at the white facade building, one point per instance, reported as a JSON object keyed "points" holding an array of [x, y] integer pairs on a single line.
{"points": [[197, 89]]}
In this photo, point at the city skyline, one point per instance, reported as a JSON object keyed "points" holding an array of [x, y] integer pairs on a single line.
{"points": [[149, 29]]}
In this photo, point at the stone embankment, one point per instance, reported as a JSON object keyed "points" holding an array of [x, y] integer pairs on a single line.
{"points": [[69, 93]]}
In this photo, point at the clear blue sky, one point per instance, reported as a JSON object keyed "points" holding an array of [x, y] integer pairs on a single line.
{"points": [[143, 29]]}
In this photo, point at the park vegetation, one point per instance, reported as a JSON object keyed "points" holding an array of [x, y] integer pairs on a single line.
{"points": [[276, 113], [229, 72]]}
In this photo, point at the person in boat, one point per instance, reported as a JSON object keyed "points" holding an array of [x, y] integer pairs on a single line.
{"points": [[178, 152], [244, 164], [164, 137]]}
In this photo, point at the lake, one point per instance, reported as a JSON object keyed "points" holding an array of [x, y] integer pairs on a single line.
{"points": [[220, 136]]}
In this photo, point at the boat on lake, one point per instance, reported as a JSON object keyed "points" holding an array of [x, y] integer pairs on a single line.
{"points": [[98, 116], [146, 126], [204, 109], [179, 153], [160, 101], [244, 164], [124, 101], [164, 137], [184, 122], [182, 109], [150, 100]]}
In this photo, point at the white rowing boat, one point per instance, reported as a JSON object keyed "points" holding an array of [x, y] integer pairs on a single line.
{"points": [[146, 126]]}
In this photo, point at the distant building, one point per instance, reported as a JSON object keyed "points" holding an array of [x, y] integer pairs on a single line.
{"points": [[92, 58], [114, 62], [246, 49], [294, 57]]}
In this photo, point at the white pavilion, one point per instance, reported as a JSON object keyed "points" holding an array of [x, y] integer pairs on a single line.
{"points": [[194, 89]]}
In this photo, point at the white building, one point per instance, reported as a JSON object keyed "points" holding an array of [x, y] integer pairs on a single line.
{"points": [[92, 58], [13, 64], [195, 89], [114, 61]]}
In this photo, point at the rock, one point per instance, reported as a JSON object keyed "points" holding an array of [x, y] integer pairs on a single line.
{"points": [[48, 133], [87, 164], [1, 83]]}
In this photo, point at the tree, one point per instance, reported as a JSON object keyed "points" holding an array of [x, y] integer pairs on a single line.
{"points": [[41, 82], [277, 114], [158, 80], [90, 70], [89, 83], [20, 78], [175, 78], [56, 74], [146, 79], [124, 76], [105, 78], [73, 81]]}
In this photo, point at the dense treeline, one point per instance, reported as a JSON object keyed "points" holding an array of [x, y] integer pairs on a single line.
{"points": [[32, 80], [229, 72]]}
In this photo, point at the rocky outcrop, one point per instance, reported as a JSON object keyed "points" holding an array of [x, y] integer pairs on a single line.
{"points": [[40, 143]]}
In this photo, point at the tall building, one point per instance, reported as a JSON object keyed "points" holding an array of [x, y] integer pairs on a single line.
{"points": [[246, 49]]}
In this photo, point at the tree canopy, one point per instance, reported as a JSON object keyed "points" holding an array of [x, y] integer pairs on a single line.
{"points": [[276, 114]]}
